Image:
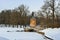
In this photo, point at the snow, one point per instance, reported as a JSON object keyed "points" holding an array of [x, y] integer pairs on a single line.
{"points": [[21, 36], [13, 35], [2, 38], [52, 33], [9, 33]]}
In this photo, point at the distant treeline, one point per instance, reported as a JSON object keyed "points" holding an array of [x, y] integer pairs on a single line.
{"points": [[18, 16], [21, 16]]}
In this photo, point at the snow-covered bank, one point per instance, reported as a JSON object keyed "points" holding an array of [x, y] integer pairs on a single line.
{"points": [[22, 36], [2, 38], [5, 29], [52, 33], [13, 35]]}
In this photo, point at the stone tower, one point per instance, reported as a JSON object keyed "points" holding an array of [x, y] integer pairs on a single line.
{"points": [[32, 21]]}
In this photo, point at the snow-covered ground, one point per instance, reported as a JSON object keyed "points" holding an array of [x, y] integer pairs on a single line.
{"points": [[13, 35], [9, 33], [52, 33], [21, 36]]}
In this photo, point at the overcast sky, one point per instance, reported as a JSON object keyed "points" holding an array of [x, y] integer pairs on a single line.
{"points": [[33, 5]]}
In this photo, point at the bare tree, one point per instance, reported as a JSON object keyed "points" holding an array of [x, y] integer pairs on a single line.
{"points": [[49, 8]]}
